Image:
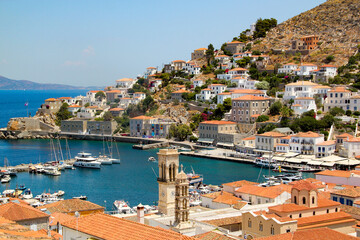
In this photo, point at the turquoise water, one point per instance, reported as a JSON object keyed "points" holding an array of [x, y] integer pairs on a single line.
{"points": [[12, 102]]}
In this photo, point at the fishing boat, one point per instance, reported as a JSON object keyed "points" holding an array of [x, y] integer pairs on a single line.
{"points": [[52, 170], [5, 179], [85, 160], [152, 159], [194, 178], [27, 194], [265, 162], [122, 207]]}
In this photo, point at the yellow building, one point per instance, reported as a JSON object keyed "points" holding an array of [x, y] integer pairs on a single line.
{"points": [[307, 210]]}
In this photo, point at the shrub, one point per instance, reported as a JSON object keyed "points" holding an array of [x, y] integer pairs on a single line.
{"points": [[262, 118]]}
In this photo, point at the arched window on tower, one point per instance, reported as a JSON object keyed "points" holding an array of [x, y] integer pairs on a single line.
{"points": [[249, 223], [313, 200], [295, 200], [272, 230], [304, 200]]}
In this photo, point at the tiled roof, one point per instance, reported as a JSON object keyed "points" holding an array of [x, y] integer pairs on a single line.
{"points": [[239, 183], [19, 212], [58, 217], [291, 207], [200, 49], [304, 185], [339, 89], [110, 228], [318, 234], [181, 91], [321, 86], [11, 230], [335, 173], [95, 91], [116, 109], [51, 100], [212, 236], [151, 68], [302, 83], [354, 139], [308, 134], [226, 198], [125, 80], [238, 69], [143, 117], [271, 134], [217, 122], [113, 91], [63, 98], [178, 61], [328, 66], [304, 98], [249, 138], [272, 215], [329, 218], [71, 205], [251, 98], [267, 192], [225, 93], [74, 106], [326, 143], [349, 192], [249, 91]]}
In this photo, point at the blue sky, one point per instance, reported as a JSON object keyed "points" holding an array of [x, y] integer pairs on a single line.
{"points": [[87, 42]]}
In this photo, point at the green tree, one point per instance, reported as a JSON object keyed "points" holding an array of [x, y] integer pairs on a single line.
{"points": [[262, 26], [262, 118], [87, 105], [336, 111], [100, 95], [266, 128], [263, 85], [62, 114], [107, 116], [275, 108], [180, 132], [210, 53]]}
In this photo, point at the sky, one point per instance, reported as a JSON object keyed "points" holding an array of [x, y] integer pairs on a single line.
{"points": [[95, 42]]}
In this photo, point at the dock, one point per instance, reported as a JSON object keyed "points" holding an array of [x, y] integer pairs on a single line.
{"points": [[218, 157], [25, 167], [151, 145]]}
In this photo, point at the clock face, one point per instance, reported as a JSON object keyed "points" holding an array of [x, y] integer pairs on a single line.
{"points": [[163, 193]]}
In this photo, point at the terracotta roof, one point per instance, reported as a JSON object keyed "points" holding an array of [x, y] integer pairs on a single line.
{"points": [[238, 69], [302, 83], [267, 192], [125, 80], [58, 217], [63, 98], [328, 219], [142, 117], [225, 93], [351, 210], [200, 49], [322, 86], [218, 56], [249, 91], [296, 105], [19, 212], [251, 98], [234, 42], [348, 192], [224, 221], [344, 135], [286, 137], [255, 115], [206, 89], [95, 91], [326, 143], [354, 139], [142, 93], [308, 134], [212, 236], [304, 185], [116, 109], [151, 68], [113, 91], [239, 183], [290, 64], [339, 89], [226, 198], [51, 100], [109, 227], [318, 234], [291, 207], [70, 206], [217, 122], [271, 134], [216, 84], [304, 98], [272, 215], [181, 91], [179, 61], [54, 235], [249, 138], [335, 173]]}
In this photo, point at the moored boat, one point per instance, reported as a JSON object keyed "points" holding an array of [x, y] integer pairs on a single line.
{"points": [[122, 207], [27, 194], [85, 160], [152, 159], [5, 179]]}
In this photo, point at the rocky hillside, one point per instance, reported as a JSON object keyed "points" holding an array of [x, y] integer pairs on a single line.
{"points": [[336, 22]]}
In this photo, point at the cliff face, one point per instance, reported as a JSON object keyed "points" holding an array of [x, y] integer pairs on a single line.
{"points": [[336, 22]]}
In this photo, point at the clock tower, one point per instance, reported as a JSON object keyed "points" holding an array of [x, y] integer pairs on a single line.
{"points": [[168, 160]]}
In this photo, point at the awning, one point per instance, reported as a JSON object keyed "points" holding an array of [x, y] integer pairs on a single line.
{"points": [[291, 154], [205, 140], [348, 162], [280, 159], [313, 162], [328, 164], [225, 144], [293, 160]]}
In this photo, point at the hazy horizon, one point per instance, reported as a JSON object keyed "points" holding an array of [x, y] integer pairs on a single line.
{"points": [[84, 43]]}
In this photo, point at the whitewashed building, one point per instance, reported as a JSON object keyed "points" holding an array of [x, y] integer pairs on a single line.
{"points": [[324, 149], [288, 68], [305, 142], [125, 83], [303, 104], [198, 83]]}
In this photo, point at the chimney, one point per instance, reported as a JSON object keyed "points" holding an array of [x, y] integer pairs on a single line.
{"points": [[140, 213]]}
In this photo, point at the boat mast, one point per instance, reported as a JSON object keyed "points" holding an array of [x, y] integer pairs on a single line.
{"points": [[60, 150]]}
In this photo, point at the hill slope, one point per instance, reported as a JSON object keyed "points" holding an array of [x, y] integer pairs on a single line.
{"points": [[335, 21], [10, 84]]}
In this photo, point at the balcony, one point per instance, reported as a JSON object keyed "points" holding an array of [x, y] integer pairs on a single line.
{"points": [[307, 142]]}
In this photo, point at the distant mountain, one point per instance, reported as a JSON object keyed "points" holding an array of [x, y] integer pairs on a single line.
{"points": [[10, 84]]}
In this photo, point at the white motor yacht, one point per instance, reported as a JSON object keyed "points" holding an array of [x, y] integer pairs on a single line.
{"points": [[5, 179], [115, 161], [52, 170], [122, 207], [27, 194], [85, 160]]}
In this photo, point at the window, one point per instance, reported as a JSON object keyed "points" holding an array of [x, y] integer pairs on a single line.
{"points": [[304, 200], [260, 227], [300, 215], [327, 210], [287, 230], [349, 202], [290, 216], [335, 199], [295, 200], [313, 200], [314, 213], [336, 209], [249, 223], [272, 230]]}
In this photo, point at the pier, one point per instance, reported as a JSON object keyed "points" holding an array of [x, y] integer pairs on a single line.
{"points": [[25, 167]]}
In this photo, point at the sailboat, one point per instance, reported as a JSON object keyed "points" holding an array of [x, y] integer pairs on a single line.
{"points": [[114, 160], [103, 159]]}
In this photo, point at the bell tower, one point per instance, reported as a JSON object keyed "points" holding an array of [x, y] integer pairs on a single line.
{"points": [[182, 206], [168, 169]]}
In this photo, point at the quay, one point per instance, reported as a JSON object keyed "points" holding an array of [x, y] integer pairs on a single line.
{"points": [[25, 167]]}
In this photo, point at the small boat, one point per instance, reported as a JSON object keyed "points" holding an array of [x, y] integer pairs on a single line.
{"points": [[81, 197], [122, 207], [184, 149], [5, 179], [60, 193], [22, 187], [309, 169], [12, 172], [9, 193], [68, 166], [27, 194], [51, 170], [152, 159]]}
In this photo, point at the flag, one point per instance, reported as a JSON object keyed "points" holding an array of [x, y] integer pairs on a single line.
{"points": [[26, 104]]}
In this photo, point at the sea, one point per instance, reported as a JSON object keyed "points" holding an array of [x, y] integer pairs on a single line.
{"points": [[134, 180]]}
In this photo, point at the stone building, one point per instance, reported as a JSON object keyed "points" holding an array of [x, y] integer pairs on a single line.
{"points": [[73, 126], [234, 47], [243, 108], [218, 133], [51, 105], [101, 127], [198, 53]]}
